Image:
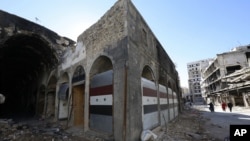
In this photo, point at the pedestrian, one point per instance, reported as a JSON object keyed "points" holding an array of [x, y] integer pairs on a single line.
{"points": [[211, 107], [223, 105], [190, 104], [230, 106]]}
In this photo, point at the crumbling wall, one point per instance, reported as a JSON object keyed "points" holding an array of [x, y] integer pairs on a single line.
{"points": [[12, 25], [108, 30], [28, 54]]}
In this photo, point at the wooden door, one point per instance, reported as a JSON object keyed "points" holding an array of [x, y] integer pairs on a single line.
{"points": [[78, 102]]}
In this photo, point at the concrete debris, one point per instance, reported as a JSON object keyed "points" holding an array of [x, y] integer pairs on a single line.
{"points": [[189, 126], [148, 135], [35, 130], [194, 135], [6, 121]]}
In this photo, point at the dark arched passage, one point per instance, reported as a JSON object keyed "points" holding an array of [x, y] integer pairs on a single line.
{"points": [[23, 61]]}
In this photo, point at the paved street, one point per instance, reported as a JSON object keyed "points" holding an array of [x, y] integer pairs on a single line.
{"points": [[219, 122], [199, 124]]}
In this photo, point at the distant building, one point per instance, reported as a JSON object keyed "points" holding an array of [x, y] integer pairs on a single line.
{"points": [[194, 78], [219, 75], [184, 91], [185, 94]]}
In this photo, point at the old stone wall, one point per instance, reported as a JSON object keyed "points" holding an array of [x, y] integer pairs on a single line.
{"points": [[122, 45], [145, 51], [11, 25], [108, 30], [28, 54]]}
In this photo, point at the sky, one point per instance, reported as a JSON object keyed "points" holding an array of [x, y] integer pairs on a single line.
{"points": [[189, 30]]}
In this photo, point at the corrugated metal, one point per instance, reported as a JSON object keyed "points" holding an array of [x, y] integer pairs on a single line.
{"points": [[102, 79], [102, 123], [101, 102], [150, 104]]}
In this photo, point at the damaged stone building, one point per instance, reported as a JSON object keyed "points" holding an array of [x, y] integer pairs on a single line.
{"points": [[114, 82], [226, 78]]}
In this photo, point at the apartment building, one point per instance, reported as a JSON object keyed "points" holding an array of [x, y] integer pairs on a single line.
{"points": [[215, 86], [194, 78]]}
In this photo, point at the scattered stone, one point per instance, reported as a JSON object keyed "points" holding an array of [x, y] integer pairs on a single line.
{"points": [[195, 136]]}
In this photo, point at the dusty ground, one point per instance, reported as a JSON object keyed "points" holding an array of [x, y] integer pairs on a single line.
{"points": [[189, 126], [35, 130]]}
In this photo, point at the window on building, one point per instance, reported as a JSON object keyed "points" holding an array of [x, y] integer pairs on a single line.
{"points": [[232, 69]]}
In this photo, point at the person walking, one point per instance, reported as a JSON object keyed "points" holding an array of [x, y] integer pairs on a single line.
{"points": [[230, 106], [223, 105], [211, 107]]}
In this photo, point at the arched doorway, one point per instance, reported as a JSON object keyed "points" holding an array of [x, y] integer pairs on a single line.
{"points": [[63, 95], [78, 94], [150, 112], [24, 59], [101, 95]]}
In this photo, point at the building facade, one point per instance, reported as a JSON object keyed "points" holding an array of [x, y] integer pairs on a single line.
{"points": [[194, 78], [216, 86], [114, 83]]}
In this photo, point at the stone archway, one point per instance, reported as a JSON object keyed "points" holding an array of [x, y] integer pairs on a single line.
{"points": [[101, 95], [63, 95], [25, 58], [150, 114]]}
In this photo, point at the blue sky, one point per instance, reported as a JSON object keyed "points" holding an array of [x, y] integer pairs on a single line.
{"points": [[189, 30]]}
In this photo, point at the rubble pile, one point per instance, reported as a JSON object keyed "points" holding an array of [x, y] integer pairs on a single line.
{"points": [[188, 126], [34, 130]]}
